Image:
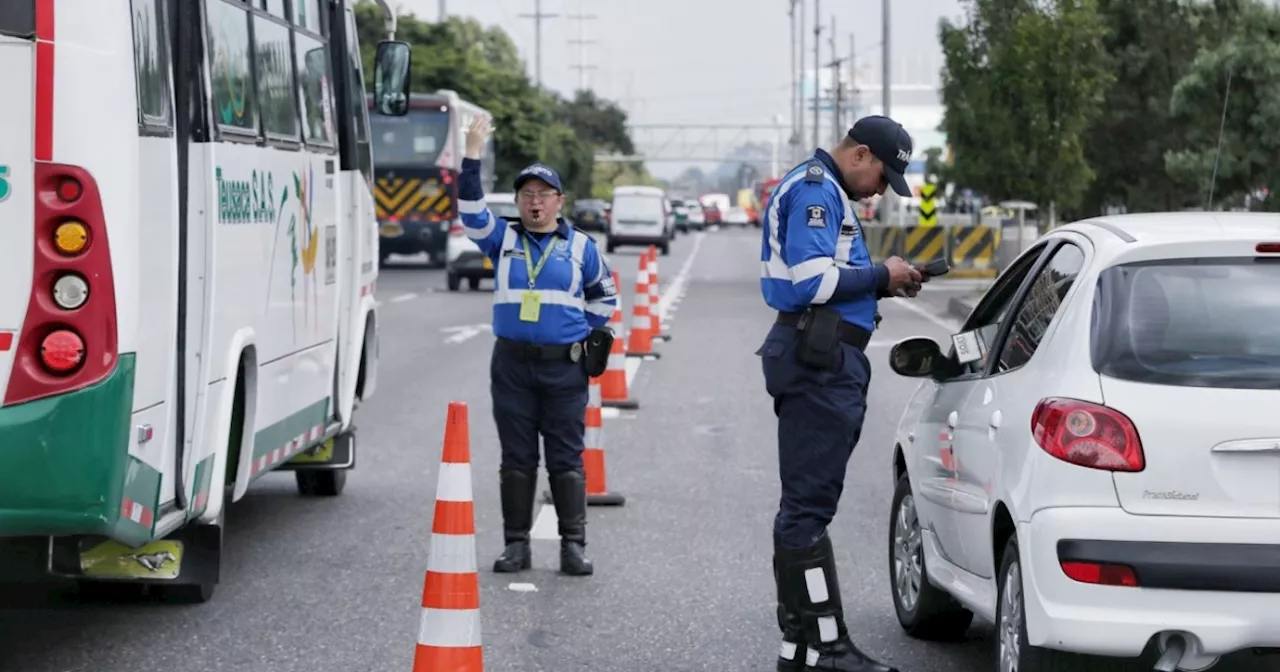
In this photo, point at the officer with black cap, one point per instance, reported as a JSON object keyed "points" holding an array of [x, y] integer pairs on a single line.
{"points": [[817, 273], [553, 295]]}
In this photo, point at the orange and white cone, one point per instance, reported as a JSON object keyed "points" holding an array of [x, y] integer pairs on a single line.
{"points": [[449, 632], [593, 457], [641, 341], [655, 298], [613, 382]]}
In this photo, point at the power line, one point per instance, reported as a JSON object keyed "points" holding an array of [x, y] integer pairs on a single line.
{"points": [[537, 17], [582, 42]]}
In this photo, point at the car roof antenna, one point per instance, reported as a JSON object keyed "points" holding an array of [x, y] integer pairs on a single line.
{"points": [[1217, 154]]}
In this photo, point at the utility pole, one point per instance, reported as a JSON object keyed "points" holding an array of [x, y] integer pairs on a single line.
{"points": [[817, 59], [886, 78], [795, 88], [836, 84], [537, 17], [853, 80], [582, 43], [443, 11], [800, 110]]}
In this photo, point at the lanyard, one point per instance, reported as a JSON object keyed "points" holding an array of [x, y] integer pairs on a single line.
{"points": [[528, 260]]}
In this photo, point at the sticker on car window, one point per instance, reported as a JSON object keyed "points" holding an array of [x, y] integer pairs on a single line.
{"points": [[968, 346]]}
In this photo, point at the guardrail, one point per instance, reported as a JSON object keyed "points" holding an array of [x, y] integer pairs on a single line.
{"points": [[971, 249]]}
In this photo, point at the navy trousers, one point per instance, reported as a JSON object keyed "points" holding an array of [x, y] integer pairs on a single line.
{"points": [[820, 416], [533, 398]]}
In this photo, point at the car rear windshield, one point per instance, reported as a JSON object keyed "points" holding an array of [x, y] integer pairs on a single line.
{"points": [[1190, 322], [506, 210], [646, 208], [18, 18]]}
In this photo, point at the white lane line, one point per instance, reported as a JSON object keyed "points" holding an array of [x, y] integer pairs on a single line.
{"points": [[546, 526], [404, 297], [951, 326]]}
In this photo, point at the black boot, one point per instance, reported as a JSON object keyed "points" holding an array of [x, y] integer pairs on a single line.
{"points": [[822, 615], [569, 491], [518, 489], [791, 656]]}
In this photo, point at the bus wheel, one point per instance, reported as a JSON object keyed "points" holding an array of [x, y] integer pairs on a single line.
{"points": [[193, 593], [321, 482]]}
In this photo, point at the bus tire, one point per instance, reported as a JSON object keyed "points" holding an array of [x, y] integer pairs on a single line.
{"points": [[191, 593], [321, 482]]}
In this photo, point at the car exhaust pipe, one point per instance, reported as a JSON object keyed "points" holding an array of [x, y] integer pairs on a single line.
{"points": [[1182, 652]]}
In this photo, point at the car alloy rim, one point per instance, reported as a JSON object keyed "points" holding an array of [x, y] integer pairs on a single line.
{"points": [[1011, 619], [908, 561]]}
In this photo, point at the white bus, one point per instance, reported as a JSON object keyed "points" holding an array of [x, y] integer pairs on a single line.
{"points": [[187, 259]]}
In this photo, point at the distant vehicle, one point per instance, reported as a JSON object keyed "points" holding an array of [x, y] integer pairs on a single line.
{"points": [[737, 216], [591, 214], [766, 191], [417, 159], [680, 208], [747, 201], [1091, 464], [641, 216], [695, 216], [465, 260]]}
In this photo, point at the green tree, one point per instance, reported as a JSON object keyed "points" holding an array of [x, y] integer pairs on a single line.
{"points": [[1022, 82], [1247, 116]]}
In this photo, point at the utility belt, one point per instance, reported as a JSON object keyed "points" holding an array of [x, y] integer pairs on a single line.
{"points": [[592, 352], [821, 332]]}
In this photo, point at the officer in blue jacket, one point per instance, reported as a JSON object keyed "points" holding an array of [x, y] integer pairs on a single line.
{"points": [[818, 275], [551, 288]]}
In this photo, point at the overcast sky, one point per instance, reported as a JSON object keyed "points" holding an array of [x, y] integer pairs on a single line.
{"points": [[705, 61]]}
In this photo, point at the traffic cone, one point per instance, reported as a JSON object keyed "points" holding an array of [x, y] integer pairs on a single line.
{"points": [[613, 382], [449, 632], [655, 299], [593, 457], [641, 341]]}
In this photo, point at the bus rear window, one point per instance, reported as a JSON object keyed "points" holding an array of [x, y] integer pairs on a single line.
{"points": [[416, 138], [1190, 323], [18, 18]]}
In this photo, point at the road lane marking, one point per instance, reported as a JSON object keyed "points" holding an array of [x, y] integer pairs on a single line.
{"points": [[546, 527], [464, 333], [675, 292], [404, 297]]}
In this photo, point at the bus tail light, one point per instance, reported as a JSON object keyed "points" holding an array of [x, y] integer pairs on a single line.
{"points": [[69, 335]]}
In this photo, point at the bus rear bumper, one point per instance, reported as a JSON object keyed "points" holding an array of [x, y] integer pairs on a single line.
{"points": [[64, 463]]}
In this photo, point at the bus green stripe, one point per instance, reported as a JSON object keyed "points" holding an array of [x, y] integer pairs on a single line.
{"points": [[271, 437]]}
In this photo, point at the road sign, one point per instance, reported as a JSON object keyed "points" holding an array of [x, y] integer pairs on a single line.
{"points": [[928, 207]]}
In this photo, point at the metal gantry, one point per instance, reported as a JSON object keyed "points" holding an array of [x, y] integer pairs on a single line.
{"points": [[694, 143]]}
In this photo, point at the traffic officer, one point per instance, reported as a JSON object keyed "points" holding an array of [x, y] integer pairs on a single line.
{"points": [[818, 275], [551, 288]]}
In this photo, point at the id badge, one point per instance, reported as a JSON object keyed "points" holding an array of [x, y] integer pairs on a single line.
{"points": [[530, 306]]}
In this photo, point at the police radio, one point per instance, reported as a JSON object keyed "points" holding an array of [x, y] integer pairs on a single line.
{"points": [[934, 268]]}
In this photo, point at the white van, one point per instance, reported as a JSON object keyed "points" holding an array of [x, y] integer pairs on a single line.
{"points": [[641, 216]]}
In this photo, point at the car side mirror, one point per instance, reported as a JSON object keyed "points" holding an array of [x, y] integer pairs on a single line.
{"points": [[391, 78], [918, 357]]}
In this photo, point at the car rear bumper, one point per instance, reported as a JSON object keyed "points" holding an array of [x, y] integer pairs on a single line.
{"points": [[1209, 577], [637, 239], [413, 236], [470, 264]]}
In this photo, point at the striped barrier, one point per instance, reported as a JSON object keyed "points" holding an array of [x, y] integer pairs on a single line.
{"points": [[973, 250], [923, 244], [970, 249]]}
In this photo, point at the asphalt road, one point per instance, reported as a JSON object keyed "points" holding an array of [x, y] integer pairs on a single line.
{"points": [[683, 579]]}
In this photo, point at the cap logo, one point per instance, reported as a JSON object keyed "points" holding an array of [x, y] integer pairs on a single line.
{"points": [[904, 155], [536, 170]]}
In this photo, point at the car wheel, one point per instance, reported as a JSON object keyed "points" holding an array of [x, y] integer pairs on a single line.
{"points": [[924, 610], [609, 248], [473, 284], [455, 282], [666, 249]]}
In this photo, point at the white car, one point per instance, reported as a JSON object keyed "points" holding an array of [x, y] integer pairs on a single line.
{"points": [[736, 216], [463, 257], [1095, 465]]}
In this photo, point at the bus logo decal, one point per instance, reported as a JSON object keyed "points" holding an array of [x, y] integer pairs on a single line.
{"points": [[4, 183]]}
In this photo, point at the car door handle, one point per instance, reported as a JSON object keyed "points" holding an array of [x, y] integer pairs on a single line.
{"points": [[995, 420], [953, 419]]}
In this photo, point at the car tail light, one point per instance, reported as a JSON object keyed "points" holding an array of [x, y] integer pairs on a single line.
{"points": [[1268, 248], [1100, 574], [68, 338], [1088, 435], [455, 230]]}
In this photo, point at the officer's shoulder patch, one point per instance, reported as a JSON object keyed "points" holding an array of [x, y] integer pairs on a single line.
{"points": [[815, 172], [817, 216]]}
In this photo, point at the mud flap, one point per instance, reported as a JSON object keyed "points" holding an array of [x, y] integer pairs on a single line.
{"points": [[189, 556], [336, 452]]}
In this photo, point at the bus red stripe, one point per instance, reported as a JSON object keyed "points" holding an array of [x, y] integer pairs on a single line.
{"points": [[44, 80]]}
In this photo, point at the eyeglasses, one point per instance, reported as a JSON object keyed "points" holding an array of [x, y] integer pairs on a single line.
{"points": [[544, 195]]}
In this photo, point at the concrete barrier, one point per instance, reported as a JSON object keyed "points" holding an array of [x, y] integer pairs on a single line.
{"points": [[971, 249]]}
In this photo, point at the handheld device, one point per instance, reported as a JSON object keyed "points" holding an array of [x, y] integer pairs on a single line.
{"points": [[935, 268]]}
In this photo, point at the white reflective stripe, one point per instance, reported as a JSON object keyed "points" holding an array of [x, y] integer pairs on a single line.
{"points": [[593, 395], [547, 297], [449, 628], [771, 220], [775, 269], [471, 207], [810, 269], [617, 362], [483, 232], [591, 437], [810, 657], [788, 651], [827, 630], [830, 278], [844, 242], [502, 274], [639, 321], [452, 554], [454, 482], [578, 250], [815, 582], [601, 309]]}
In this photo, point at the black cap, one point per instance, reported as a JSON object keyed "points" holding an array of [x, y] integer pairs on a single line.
{"points": [[539, 172], [890, 143]]}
